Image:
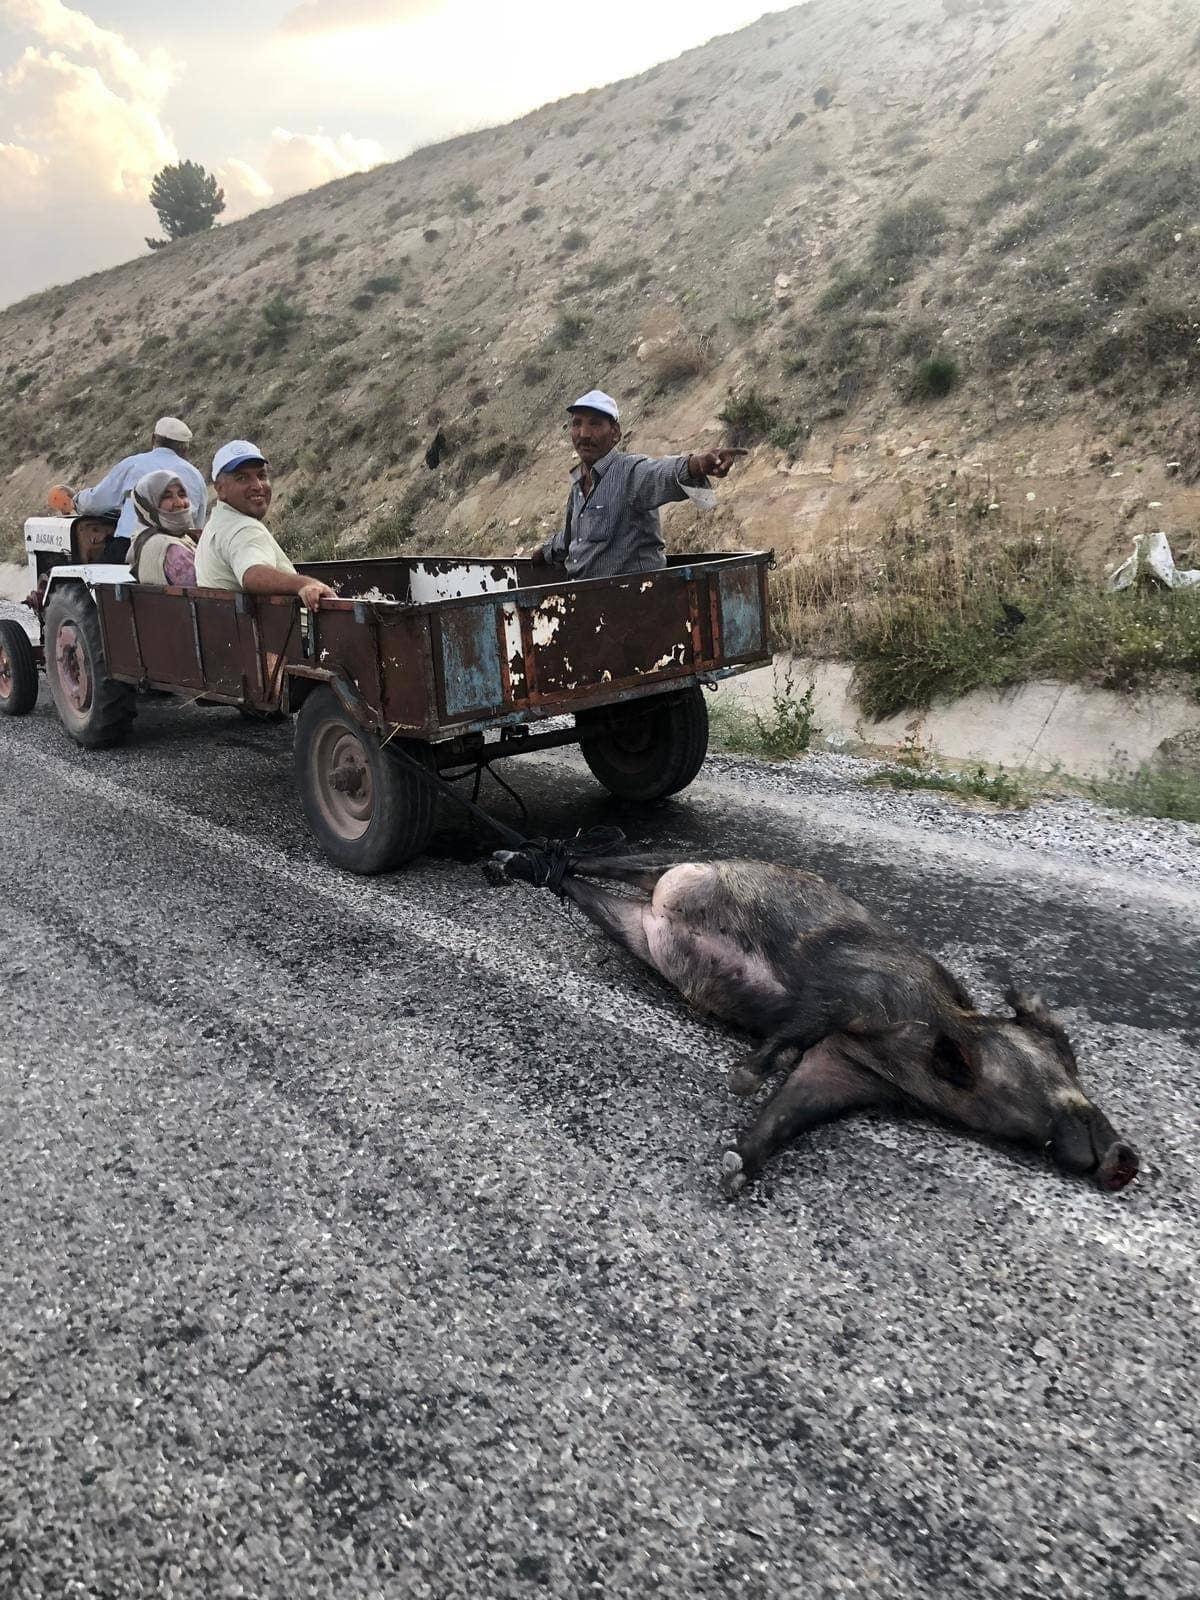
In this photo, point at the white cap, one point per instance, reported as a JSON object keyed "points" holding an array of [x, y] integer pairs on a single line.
{"points": [[172, 428], [235, 454], [597, 400]]}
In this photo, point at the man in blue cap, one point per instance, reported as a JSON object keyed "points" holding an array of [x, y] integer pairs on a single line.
{"points": [[237, 550], [611, 523]]}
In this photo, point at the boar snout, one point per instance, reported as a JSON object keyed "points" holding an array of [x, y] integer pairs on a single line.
{"points": [[1119, 1166], [1085, 1142]]}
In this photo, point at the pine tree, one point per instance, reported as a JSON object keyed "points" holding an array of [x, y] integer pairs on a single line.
{"points": [[188, 200]]}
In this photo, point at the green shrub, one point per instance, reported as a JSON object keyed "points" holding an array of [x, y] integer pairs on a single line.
{"points": [[280, 319], [1082, 163], [749, 417], [905, 234], [1153, 105], [1162, 333], [1149, 791], [569, 330], [1049, 148], [447, 343], [998, 788], [1115, 281], [386, 283], [786, 731], [935, 377], [844, 287], [466, 197], [574, 239], [532, 213]]}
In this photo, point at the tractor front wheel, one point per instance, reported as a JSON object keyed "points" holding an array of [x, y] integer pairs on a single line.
{"points": [[18, 671], [96, 710]]}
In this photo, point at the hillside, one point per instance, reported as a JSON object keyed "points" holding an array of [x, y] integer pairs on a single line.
{"points": [[910, 249]]}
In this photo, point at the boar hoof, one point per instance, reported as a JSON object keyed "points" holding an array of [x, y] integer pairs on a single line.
{"points": [[744, 1079], [733, 1175]]}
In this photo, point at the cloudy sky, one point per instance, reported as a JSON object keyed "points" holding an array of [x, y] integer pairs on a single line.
{"points": [[276, 96]]}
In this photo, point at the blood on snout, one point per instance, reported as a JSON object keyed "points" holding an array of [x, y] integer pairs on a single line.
{"points": [[1119, 1167]]}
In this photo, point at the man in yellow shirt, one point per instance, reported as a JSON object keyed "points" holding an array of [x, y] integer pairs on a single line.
{"points": [[237, 550]]}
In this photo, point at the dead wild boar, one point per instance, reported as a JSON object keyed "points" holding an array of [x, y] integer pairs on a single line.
{"points": [[853, 1011]]}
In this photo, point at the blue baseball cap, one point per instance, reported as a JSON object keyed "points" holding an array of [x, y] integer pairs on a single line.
{"points": [[235, 454]]}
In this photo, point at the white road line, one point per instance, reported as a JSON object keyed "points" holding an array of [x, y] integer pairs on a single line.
{"points": [[1164, 1244], [389, 907], [880, 839]]}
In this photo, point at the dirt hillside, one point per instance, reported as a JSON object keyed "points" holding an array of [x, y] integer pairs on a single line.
{"points": [[907, 248]]}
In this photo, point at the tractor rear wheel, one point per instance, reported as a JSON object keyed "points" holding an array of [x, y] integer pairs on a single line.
{"points": [[18, 671], [367, 808], [96, 710], [647, 749]]}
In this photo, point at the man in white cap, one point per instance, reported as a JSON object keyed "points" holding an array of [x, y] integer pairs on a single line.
{"points": [[167, 453], [237, 550], [611, 523]]}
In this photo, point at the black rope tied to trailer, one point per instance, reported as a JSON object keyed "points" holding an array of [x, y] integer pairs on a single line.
{"points": [[544, 863]]}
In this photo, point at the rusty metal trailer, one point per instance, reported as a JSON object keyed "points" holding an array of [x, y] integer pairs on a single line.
{"points": [[440, 664]]}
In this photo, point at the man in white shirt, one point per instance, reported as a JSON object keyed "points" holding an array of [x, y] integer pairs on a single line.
{"points": [[168, 452], [237, 550]]}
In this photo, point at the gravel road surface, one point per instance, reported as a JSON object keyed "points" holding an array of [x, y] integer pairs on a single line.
{"points": [[363, 1238]]}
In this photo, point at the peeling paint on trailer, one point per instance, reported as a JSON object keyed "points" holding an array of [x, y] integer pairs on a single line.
{"points": [[676, 658], [455, 580], [546, 623]]}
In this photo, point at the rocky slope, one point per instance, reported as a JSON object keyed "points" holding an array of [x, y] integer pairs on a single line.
{"points": [[908, 248]]}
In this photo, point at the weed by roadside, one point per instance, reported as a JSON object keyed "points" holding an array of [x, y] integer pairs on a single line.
{"points": [[997, 788], [938, 609], [787, 730], [1149, 792]]}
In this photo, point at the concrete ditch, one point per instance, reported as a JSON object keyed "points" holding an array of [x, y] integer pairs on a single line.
{"points": [[1040, 727]]}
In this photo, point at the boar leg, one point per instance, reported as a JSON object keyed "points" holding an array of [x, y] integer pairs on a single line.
{"points": [[749, 1073], [641, 872], [620, 917], [824, 1086]]}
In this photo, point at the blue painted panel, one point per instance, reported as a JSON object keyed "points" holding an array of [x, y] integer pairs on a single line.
{"points": [[741, 614], [471, 660]]}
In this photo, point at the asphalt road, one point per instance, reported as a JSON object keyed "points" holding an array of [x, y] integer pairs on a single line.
{"points": [[363, 1238]]}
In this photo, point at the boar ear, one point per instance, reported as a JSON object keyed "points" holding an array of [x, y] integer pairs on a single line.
{"points": [[1031, 1011], [951, 1061]]}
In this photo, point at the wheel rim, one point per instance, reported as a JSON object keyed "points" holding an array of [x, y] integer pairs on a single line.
{"points": [[632, 739], [6, 673], [345, 785], [74, 668]]}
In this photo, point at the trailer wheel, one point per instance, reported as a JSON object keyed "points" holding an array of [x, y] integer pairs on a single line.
{"points": [[18, 671], [647, 749], [95, 709], [367, 810]]}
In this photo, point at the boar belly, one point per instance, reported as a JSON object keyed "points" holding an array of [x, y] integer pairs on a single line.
{"points": [[716, 974]]}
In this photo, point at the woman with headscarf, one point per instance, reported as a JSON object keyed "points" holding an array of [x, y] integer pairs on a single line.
{"points": [[163, 550]]}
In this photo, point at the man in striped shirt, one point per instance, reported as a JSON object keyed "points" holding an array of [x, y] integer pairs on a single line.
{"points": [[612, 523]]}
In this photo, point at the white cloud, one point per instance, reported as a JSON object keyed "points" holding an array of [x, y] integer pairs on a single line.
{"points": [[290, 163], [20, 171], [335, 16], [58, 25], [85, 137], [81, 136]]}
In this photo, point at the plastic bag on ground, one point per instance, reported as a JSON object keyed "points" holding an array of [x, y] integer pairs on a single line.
{"points": [[1152, 559]]}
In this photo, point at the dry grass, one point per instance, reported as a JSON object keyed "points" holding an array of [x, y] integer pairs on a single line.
{"points": [[937, 609]]}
